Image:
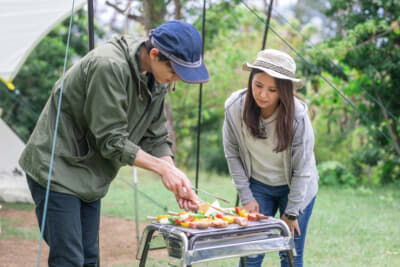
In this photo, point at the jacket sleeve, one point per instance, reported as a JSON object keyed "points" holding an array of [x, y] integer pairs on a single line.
{"points": [[106, 108], [302, 164], [235, 164], [155, 141]]}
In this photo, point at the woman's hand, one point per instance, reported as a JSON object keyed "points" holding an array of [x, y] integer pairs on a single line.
{"points": [[252, 206], [292, 224]]}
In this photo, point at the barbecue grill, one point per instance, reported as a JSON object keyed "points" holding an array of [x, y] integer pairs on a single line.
{"points": [[191, 246]]}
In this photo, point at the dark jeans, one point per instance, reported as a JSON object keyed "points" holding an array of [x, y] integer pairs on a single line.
{"points": [[270, 199], [71, 228]]}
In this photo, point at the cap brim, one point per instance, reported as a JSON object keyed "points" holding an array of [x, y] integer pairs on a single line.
{"points": [[192, 75], [297, 83]]}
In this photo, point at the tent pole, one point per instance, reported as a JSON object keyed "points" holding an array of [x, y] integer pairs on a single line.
{"points": [[91, 46], [203, 36], [90, 24], [267, 24], [135, 202]]}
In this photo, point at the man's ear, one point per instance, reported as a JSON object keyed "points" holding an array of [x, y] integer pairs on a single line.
{"points": [[154, 53]]}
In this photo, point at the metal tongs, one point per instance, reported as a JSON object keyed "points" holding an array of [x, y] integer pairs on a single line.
{"points": [[209, 194]]}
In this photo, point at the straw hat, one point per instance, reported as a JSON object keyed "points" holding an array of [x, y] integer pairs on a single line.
{"points": [[276, 64]]}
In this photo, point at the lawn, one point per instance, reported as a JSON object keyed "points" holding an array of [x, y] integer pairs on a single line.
{"points": [[349, 226]]}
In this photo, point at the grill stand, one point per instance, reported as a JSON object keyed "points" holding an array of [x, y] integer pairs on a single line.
{"points": [[194, 246]]}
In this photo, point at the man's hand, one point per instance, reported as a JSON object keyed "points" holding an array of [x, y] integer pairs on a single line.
{"points": [[177, 182], [173, 178]]}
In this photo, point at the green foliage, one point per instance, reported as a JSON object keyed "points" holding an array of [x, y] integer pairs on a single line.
{"points": [[333, 173], [375, 165], [364, 68], [36, 77], [233, 43]]}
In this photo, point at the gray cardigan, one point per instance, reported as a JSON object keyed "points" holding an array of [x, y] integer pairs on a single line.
{"points": [[299, 161]]}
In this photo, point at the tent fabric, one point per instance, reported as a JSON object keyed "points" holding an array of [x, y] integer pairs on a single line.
{"points": [[13, 185], [23, 23]]}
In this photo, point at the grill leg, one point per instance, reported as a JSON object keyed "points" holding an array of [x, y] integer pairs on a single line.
{"points": [[146, 249], [243, 261], [290, 258]]}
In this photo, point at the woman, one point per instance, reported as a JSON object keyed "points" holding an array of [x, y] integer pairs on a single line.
{"points": [[268, 142]]}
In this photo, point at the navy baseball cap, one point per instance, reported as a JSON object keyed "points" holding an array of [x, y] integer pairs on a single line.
{"points": [[181, 43]]}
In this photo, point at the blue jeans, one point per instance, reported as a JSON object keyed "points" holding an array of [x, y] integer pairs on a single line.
{"points": [[71, 228], [270, 199]]}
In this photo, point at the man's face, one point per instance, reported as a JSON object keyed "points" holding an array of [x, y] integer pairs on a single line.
{"points": [[162, 70]]}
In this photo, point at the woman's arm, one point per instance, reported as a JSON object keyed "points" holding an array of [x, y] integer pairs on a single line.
{"points": [[235, 164], [302, 164]]}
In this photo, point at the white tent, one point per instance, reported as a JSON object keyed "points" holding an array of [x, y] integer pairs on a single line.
{"points": [[13, 186], [23, 23]]}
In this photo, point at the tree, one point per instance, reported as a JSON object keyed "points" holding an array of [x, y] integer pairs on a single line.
{"points": [[366, 46]]}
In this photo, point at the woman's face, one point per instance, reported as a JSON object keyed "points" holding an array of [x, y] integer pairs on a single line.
{"points": [[265, 93]]}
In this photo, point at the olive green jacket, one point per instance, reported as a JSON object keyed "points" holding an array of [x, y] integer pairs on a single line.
{"points": [[107, 114]]}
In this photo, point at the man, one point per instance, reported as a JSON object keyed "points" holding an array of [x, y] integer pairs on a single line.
{"points": [[111, 115]]}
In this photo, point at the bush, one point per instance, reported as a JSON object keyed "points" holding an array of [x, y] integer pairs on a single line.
{"points": [[376, 165], [335, 173]]}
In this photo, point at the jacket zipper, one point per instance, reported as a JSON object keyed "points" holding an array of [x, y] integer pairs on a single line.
{"points": [[140, 119], [142, 116]]}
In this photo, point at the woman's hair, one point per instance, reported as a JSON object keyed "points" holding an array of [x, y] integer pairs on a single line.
{"points": [[149, 46], [285, 117]]}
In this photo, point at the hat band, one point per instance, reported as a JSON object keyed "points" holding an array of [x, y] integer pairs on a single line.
{"points": [[264, 64], [175, 59]]}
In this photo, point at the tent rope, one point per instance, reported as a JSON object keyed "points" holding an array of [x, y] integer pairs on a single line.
{"points": [[55, 138], [161, 206]]}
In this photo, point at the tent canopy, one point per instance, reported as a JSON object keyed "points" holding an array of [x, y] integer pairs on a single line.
{"points": [[23, 23], [13, 186]]}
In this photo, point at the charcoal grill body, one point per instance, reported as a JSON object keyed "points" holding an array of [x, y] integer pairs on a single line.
{"points": [[196, 245]]}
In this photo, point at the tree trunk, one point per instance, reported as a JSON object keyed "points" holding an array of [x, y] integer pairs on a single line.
{"points": [[154, 12], [178, 9], [393, 135], [328, 123]]}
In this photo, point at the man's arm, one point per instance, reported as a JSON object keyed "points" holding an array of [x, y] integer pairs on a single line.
{"points": [[173, 178]]}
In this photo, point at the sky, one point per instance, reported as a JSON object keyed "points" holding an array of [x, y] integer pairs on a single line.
{"points": [[105, 12]]}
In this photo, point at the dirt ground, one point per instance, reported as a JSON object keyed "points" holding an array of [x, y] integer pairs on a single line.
{"points": [[117, 242]]}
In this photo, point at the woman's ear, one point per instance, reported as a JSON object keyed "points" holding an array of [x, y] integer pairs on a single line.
{"points": [[154, 53]]}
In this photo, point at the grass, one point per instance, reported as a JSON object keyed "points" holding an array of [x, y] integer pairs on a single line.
{"points": [[349, 227], [14, 231]]}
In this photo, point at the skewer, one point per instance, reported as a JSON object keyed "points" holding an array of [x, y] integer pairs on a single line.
{"points": [[206, 193]]}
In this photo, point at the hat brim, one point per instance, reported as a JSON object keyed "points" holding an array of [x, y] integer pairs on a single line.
{"points": [[297, 83], [191, 75]]}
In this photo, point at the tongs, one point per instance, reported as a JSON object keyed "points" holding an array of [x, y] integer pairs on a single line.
{"points": [[209, 194]]}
